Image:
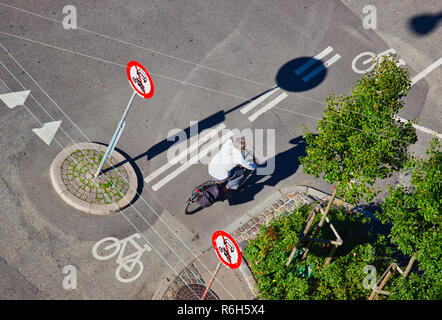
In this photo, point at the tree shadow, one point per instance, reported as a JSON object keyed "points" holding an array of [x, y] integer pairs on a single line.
{"points": [[285, 165], [425, 23], [354, 233]]}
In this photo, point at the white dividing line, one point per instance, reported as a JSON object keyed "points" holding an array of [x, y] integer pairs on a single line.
{"points": [[322, 67], [192, 161], [426, 71], [268, 106], [313, 60], [184, 153], [257, 101], [418, 127]]}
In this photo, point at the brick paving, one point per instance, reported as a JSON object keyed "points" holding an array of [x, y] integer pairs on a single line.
{"points": [[77, 172], [284, 205]]}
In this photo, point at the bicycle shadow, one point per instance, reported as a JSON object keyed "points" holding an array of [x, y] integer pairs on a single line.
{"points": [[285, 165]]}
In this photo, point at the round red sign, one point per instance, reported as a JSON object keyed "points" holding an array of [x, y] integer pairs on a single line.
{"points": [[140, 79], [227, 249]]}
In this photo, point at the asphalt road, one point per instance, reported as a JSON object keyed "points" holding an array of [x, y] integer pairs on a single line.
{"points": [[207, 59]]}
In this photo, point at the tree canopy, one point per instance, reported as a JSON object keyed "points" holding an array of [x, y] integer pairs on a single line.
{"points": [[359, 138]]}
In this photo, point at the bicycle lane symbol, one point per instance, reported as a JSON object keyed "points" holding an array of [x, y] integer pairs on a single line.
{"points": [[131, 264], [366, 58]]}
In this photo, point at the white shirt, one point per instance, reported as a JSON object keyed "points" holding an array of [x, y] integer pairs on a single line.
{"points": [[226, 159]]}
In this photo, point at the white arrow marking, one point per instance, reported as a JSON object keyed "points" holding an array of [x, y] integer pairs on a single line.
{"points": [[14, 99], [48, 131]]}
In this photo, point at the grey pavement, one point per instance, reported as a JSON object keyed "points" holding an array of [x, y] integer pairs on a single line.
{"points": [[207, 59]]}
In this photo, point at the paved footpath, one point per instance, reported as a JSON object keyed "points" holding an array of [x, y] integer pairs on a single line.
{"points": [[239, 284]]}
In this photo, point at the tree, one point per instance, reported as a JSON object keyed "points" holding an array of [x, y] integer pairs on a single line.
{"points": [[359, 139], [415, 215], [305, 279]]}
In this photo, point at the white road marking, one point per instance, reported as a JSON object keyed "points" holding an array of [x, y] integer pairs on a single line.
{"points": [[322, 67], [370, 60], [313, 60], [48, 131], [257, 101], [268, 106], [184, 153], [418, 127], [127, 263], [426, 71], [192, 161], [14, 99]]}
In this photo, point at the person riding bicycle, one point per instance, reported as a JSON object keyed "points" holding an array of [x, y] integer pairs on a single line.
{"points": [[230, 162]]}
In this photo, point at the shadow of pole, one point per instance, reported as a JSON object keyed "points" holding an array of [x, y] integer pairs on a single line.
{"points": [[297, 75]]}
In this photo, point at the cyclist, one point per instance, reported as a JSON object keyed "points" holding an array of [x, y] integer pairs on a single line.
{"points": [[230, 162]]}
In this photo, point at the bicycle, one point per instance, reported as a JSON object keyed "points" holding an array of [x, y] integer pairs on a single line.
{"points": [[110, 246], [193, 202]]}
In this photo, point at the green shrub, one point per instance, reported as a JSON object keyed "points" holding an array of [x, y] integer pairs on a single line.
{"points": [[309, 279]]}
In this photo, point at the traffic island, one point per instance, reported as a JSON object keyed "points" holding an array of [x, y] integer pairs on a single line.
{"points": [[72, 176]]}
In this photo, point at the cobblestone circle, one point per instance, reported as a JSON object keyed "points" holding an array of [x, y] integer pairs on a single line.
{"points": [[77, 172]]}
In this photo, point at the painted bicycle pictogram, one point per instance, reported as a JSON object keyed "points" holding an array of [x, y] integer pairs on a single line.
{"points": [[129, 267], [367, 59]]}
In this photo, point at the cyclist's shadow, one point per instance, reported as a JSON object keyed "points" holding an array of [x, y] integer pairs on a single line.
{"points": [[285, 165]]}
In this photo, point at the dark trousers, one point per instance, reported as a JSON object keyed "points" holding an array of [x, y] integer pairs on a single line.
{"points": [[236, 175]]}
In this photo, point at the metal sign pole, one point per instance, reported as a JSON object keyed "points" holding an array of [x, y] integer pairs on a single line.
{"points": [[116, 136], [211, 280]]}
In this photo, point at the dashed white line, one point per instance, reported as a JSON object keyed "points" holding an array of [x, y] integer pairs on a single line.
{"points": [[313, 60], [268, 106], [257, 101], [184, 153], [322, 67], [192, 161]]}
